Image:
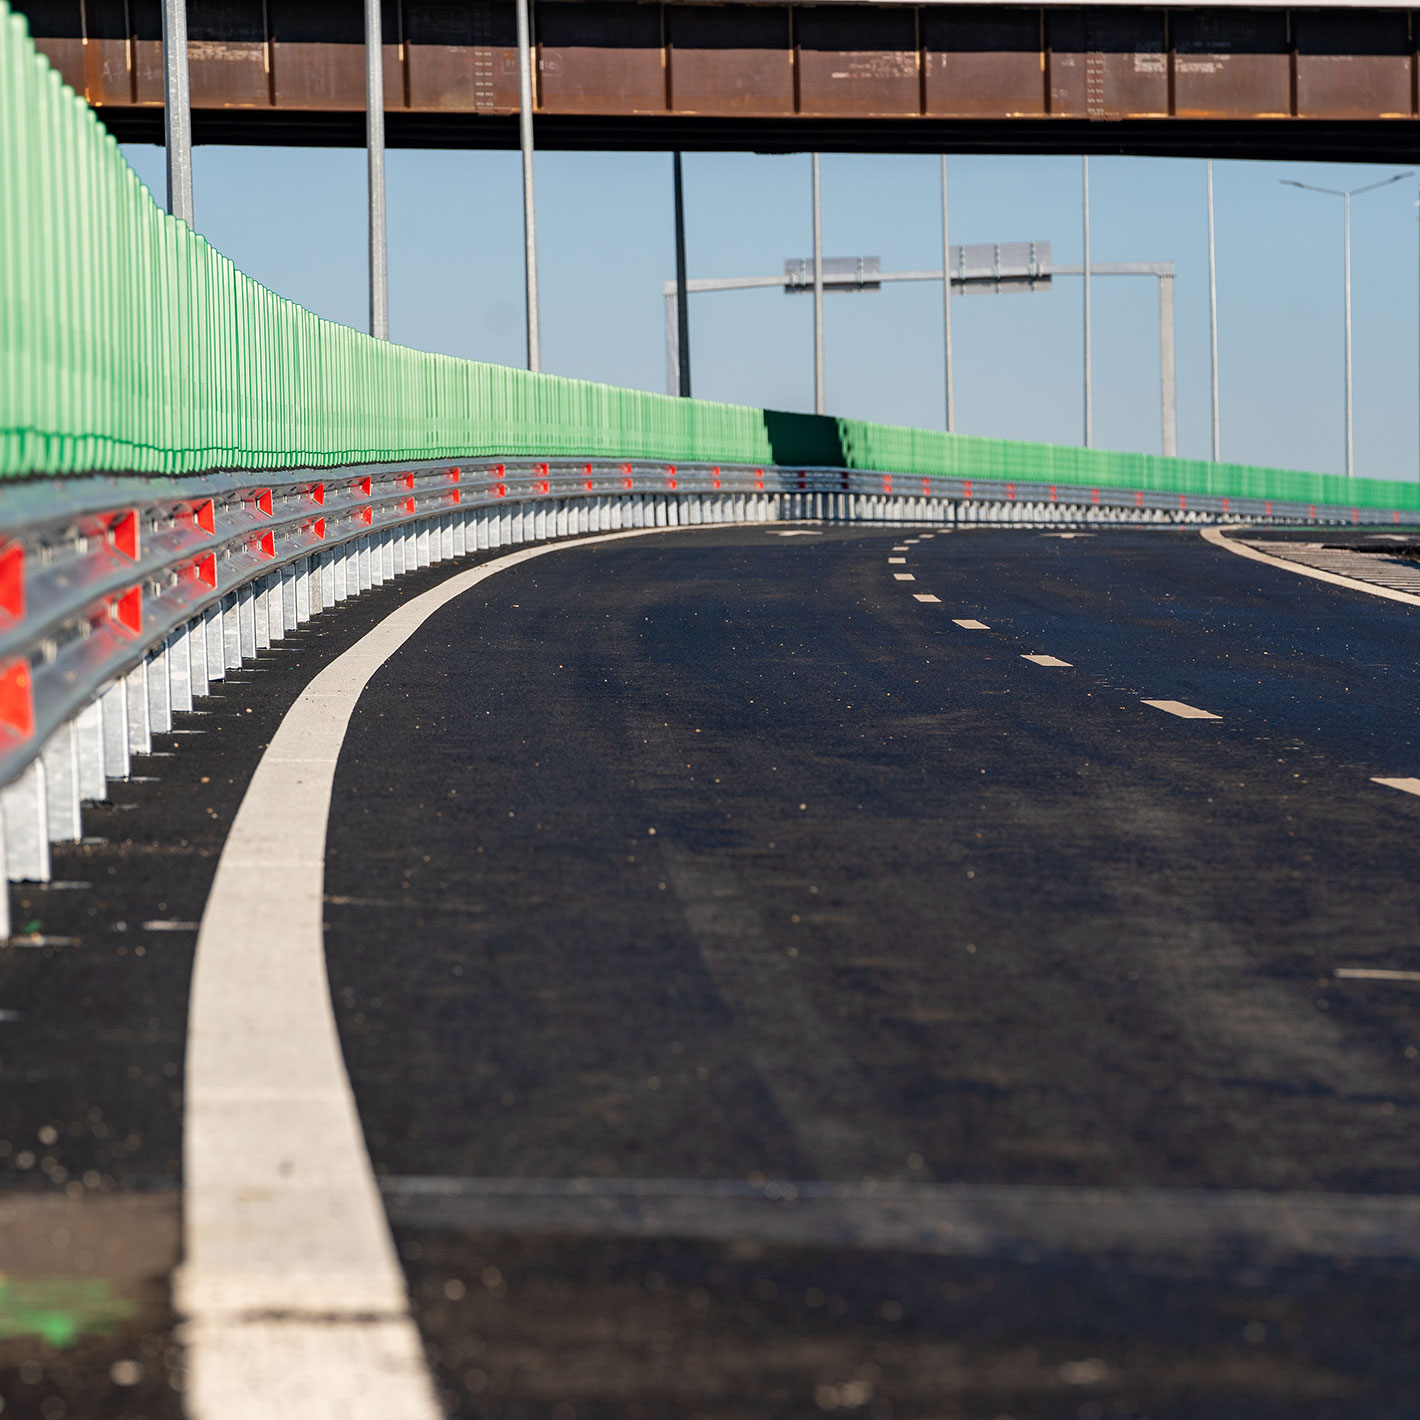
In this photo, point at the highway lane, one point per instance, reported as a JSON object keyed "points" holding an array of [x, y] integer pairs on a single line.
{"points": [[919, 1063], [722, 860]]}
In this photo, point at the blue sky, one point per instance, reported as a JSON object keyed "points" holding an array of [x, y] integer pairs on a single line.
{"points": [[294, 218]]}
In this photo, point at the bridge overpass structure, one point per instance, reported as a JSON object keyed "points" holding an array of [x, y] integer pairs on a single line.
{"points": [[531, 894], [1257, 80]]}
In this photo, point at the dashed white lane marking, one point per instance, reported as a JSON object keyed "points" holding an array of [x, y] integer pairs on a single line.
{"points": [[967, 624], [1184, 712], [1374, 973], [925, 597], [1046, 661], [896, 560], [903, 577], [1406, 786], [290, 1286], [797, 532]]}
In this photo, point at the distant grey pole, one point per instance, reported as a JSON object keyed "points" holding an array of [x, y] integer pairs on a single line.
{"points": [[1346, 197], [177, 110], [1168, 367], [1213, 317], [682, 293], [819, 402], [1350, 451], [672, 340], [1089, 371], [525, 136], [947, 296], [375, 148]]}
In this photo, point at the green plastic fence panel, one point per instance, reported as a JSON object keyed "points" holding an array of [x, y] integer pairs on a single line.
{"points": [[127, 343]]}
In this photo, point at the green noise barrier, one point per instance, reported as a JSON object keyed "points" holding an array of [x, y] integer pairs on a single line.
{"points": [[129, 344]]}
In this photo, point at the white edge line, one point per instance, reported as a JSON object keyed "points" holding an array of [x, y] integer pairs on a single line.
{"points": [[1215, 536], [290, 1282]]}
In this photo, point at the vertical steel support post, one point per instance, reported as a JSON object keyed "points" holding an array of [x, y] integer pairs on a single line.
{"points": [[682, 294], [1350, 448], [947, 298], [1213, 318], [177, 110], [819, 401], [375, 149], [1089, 368], [1168, 371], [525, 139]]}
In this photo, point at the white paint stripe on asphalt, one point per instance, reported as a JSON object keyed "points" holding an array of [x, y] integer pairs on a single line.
{"points": [[290, 1289], [1406, 786], [967, 624], [1215, 536], [1374, 973], [925, 597], [953, 1219], [896, 561], [1184, 712], [1046, 660], [903, 577]]}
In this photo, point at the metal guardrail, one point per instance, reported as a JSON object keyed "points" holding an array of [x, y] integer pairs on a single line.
{"points": [[123, 599]]}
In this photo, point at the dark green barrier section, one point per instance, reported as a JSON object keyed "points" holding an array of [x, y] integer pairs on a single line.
{"points": [[127, 343]]}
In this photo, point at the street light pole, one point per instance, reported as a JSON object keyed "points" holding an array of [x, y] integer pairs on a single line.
{"points": [[375, 149], [177, 110], [819, 401], [1089, 370], [947, 297], [1346, 195], [1213, 317], [682, 292], [525, 139]]}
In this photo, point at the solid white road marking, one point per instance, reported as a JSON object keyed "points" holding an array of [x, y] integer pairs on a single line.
{"points": [[896, 560], [1184, 712], [1406, 786], [925, 597], [1215, 536], [903, 577], [797, 532], [967, 624], [1046, 660], [1374, 973], [290, 1287]]}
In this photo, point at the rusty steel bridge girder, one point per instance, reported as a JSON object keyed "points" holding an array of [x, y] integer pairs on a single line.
{"points": [[1278, 82]]}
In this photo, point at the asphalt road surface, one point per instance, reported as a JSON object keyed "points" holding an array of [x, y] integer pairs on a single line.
{"points": [[788, 971]]}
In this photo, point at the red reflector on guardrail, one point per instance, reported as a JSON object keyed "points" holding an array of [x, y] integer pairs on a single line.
{"points": [[266, 544], [1182, 501], [1355, 515], [1095, 496], [205, 516], [1054, 496], [263, 501], [205, 570], [1225, 505], [12, 581], [926, 487], [1269, 508], [362, 485], [1311, 512], [627, 482], [405, 479], [318, 493], [17, 704], [1138, 500], [501, 489], [966, 489], [124, 533], [454, 475], [127, 609], [318, 527], [366, 515], [887, 483], [1010, 492], [408, 505], [715, 478]]}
